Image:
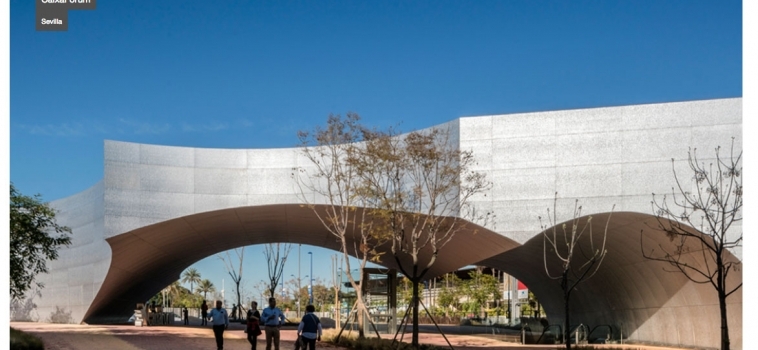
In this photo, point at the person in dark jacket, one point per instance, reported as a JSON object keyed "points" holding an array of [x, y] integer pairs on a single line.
{"points": [[204, 313], [309, 329], [253, 328]]}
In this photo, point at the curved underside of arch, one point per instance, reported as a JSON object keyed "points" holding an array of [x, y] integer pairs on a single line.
{"points": [[149, 258], [641, 297]]}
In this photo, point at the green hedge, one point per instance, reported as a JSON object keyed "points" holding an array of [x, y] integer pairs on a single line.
{"points": [[25, 341]]}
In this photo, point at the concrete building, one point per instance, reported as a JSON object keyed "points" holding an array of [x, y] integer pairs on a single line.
{"points": [[159, 209]]}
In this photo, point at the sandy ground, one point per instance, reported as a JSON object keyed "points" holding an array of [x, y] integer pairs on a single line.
{"points": [[85, 337]]}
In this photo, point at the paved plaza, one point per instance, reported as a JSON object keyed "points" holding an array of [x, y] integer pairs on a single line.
{"points": [[128, 337]]}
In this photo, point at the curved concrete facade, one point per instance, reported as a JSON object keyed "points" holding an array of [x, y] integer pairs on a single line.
{"points": [[602, 156]]}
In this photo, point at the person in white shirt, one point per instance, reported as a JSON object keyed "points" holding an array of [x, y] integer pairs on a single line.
{"points": [[220, 323], [272, 318], [309, 329]]}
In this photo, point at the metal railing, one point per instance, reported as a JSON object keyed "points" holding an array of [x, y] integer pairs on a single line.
{"points": [[546, 333]]}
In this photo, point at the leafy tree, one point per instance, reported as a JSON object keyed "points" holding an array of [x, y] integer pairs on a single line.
{"points": [[421, 185], [480, 289], [334, 155], [298, 291], [711, 205], [450, 293], [579, 256], [191, 276], [206, 287], [321, 295], [31, 244]]}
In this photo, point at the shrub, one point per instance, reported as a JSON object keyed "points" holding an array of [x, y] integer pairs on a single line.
{"points": [[350, 340], [24, 341]]}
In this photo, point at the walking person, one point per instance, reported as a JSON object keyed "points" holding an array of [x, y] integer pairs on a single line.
{"points": [[204, 314], [220, 323], [309, 329], [185, 313], [272, 318], [253, 328]]}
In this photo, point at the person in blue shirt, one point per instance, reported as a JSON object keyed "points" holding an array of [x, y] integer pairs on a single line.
{"points": [[310, 328], [272, 318], [220, 323]]}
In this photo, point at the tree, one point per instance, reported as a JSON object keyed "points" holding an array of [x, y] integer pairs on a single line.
{"points": [[715, 198], [276, 256], [31, 244], [298, 291], [205, 286], [575, 249], [421, 185], [450, 292], [321, 294], [235, 273], [334, 153], [480, 289], [191, 276], [262, 289]]}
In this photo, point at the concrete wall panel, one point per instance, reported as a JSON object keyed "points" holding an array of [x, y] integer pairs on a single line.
{"points": [[167, 156], [221, 158]]}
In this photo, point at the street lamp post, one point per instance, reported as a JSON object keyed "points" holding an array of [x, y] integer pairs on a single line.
{"points": [[297, 294], [310, 291], [298, 280]]}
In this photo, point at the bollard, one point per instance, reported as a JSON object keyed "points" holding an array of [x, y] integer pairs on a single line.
{"points": [[621, 331]]}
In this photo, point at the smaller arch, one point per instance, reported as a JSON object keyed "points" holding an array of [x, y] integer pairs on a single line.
{"points": [[629, 291]]}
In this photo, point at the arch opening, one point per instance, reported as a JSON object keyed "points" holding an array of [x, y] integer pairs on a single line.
{"points": [[638, 297], [147, 259]]}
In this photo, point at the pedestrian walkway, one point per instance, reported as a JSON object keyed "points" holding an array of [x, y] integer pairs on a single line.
{"points": [[129, 337]]}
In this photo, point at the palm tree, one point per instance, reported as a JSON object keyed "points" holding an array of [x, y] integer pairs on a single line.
{"points": [[205, 287], [191, 276], [174, 291]]}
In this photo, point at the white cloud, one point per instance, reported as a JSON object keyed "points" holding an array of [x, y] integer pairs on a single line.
{"points": [[212, 126], [245, 122], [141, 127], [63, 129], [123, 126]]}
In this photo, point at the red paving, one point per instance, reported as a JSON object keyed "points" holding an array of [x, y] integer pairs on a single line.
{"points": [[86, 337]]}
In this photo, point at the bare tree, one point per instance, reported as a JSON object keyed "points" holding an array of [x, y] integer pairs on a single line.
{"points": [[262, 290], [421, 184], [235, 272], [333, 153], [276, 256], [711, 205], [575, 248]]}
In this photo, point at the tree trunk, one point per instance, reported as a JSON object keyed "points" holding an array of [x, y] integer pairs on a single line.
{"points": [[722, 305], [415, 300], [239, 302], [566, 296], [360, 314]]}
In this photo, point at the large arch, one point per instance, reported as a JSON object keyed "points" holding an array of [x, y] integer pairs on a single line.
{"points": [[149, 258], [642, 297]]}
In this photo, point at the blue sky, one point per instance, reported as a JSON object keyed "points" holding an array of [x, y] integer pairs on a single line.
{"points": [[242, 74]]}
